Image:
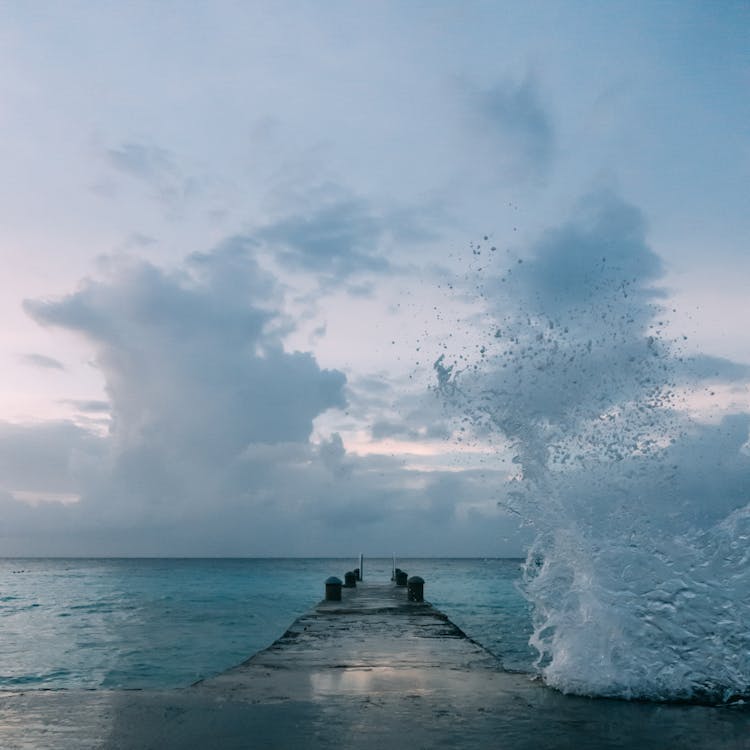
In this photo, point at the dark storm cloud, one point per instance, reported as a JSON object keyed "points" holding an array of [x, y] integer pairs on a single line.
{"points": [[43, 361]]}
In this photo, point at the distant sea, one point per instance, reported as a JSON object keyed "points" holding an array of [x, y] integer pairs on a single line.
{"points": [[163, 623]]}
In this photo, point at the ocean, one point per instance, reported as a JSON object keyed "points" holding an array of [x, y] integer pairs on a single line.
{"points": [[166, 623]]}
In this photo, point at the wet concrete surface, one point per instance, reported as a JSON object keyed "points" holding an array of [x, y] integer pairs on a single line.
{"points": [[371, 671]]}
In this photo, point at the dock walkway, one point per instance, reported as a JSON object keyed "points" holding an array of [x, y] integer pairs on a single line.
{"points": [[371, 671]]}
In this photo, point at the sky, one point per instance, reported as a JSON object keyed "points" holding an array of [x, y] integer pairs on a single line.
{"points": [[237, 237]]}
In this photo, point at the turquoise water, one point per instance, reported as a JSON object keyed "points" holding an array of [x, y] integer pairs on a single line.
{"points": [[136, 623]]}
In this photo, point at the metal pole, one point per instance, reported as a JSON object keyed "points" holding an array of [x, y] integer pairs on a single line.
{"points": [[361, 567]]}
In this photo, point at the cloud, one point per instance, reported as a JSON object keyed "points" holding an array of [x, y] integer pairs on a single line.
{"points": [[339, 235], [188, 356], [338, 239], [417, 425], [196, 374], [601, 254], [705, 367], [89, 407], [517, 126], [53, 457], [210, 447], [155, 167], [149, 163], [43, 361]]}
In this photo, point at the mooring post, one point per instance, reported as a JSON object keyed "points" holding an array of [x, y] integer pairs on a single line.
{"points": [[415, 591], [350, 579], [401, 577], [333, 589]]}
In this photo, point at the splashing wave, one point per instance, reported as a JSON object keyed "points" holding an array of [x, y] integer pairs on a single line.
{"points": [[639, 576]]}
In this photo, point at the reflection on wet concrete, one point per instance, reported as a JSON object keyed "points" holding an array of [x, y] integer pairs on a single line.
{"points": [[371, 681]]}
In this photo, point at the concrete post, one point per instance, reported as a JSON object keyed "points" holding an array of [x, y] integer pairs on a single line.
{"points": [[415, 591], [333, 589], [401, 577], [350, 580]]}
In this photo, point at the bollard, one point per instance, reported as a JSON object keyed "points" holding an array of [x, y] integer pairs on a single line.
{"points": [[416, 589], [333, 589], [358, 573], [396, 571], [350, 580], [401, 577]]}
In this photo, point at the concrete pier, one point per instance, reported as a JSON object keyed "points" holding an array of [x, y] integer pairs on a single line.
{"points": [[370, 671]]}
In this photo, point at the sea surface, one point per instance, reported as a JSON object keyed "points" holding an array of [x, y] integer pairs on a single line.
{"points": [[163, 623]]}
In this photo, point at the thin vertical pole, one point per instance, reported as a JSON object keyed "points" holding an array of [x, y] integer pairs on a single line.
{"points": [[361, 567]]}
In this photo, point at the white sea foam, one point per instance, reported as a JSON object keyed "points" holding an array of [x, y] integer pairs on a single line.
{"points": [[648, 617]]}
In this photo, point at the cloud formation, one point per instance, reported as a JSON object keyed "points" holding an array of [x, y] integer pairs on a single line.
{"points": [[518, 126], [43, 361], [337, 235], [196, 375], [210, 446], [156, 168], [337, 239]]}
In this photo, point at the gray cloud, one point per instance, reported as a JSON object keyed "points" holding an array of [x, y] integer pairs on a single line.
{"points": [[209, 448], [519, 128], [189, 358], [89, 407], [338, 240], [343, 235], [274, 499], [145, 162], [418, 425], [43, 361], [600, 257], [52, 457], [704, 367], [155, 167], [196, 374]]}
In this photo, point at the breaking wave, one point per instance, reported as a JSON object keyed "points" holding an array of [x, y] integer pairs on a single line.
{"points": [[639, 575]]}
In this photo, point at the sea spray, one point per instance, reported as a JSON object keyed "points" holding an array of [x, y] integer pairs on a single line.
{"points": [[638, 576]]}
